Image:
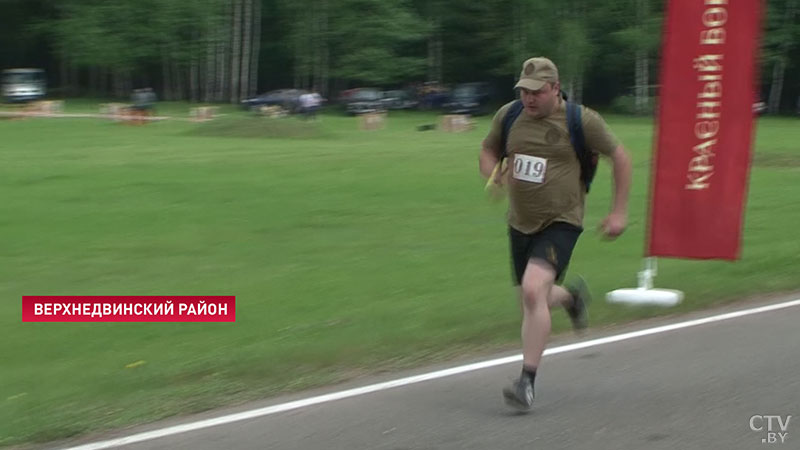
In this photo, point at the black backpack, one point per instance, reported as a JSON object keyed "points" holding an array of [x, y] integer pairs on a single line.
{"points": [[587, 158]]}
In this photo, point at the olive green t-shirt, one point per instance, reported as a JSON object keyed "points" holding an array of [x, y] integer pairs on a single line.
{"points": [[544, 184]]}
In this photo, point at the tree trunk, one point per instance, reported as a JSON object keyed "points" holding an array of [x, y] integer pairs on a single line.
{"points": [[178, 83], [776, 87], [641, 89], [435, 50], [247, 39], [308, 50], [301, 72], [116, 84], [223, 52], [182, 77], [167, 81], [316, 51], [122, 82], [194, 85], [642, 80], [326, 53], [236, 50], [338, 85], [520, 32], [92, 81], [779, 69], [297, 62], [566, 86], [63, 76], [578, 95], [210, 77], [431, 49], [75, 80], [102, 82], [173, 79], [219, 79], [439, 52], [256, 53]]}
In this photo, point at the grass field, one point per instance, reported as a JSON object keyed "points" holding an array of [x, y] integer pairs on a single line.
{"points": [[349, 252]]}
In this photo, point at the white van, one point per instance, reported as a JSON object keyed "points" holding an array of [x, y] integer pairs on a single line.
{"points": [[23, 85]]}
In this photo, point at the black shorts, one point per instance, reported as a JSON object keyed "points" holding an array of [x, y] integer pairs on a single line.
{"points": [[553, 244]]}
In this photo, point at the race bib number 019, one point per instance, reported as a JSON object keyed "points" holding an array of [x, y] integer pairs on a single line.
{"points": [[529, 168]]}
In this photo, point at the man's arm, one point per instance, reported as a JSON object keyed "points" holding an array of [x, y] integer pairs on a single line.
{"points": [[616, 221], [488, 159]]}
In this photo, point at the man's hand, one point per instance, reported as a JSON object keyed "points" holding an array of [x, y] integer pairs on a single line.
{"points": [[614, 225], [495, 185]]}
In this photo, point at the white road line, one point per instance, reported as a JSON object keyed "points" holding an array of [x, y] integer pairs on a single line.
{"points": [[260, 412]]}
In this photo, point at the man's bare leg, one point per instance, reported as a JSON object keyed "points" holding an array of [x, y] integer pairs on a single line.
{"points": [[537, 294], [559, 297], [537, 287]]}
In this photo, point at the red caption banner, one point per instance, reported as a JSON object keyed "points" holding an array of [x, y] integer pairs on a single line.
{"points": [[704, 138], [120, 308]]}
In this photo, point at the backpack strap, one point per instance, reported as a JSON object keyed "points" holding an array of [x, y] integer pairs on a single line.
{"points": [[511, 115], [586, 158], [575, 128]]}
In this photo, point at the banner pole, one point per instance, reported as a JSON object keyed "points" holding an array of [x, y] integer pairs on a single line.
{"points": [[646, 276]]}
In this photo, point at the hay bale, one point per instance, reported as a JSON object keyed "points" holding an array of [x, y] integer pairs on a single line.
{"points": [[117, 111], [372, 121], [203, 113], [273, 112], [456, 123], [46, 107]]}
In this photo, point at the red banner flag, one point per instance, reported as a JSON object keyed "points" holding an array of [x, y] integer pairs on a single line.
{"points": [[704, 136]]}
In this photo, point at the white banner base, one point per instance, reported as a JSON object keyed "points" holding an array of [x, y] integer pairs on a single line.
{"points": [[645, 295]]}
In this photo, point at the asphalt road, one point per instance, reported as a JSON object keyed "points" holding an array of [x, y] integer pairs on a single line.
{"points": [[692, 388]]}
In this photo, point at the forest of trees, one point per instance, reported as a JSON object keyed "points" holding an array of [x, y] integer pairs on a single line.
{"points": [[227, 50]]}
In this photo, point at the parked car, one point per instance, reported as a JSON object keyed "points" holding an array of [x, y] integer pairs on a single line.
{"points": [[469, 98], [398, 99], [288, 99], [23, 85], [363, 100]]}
